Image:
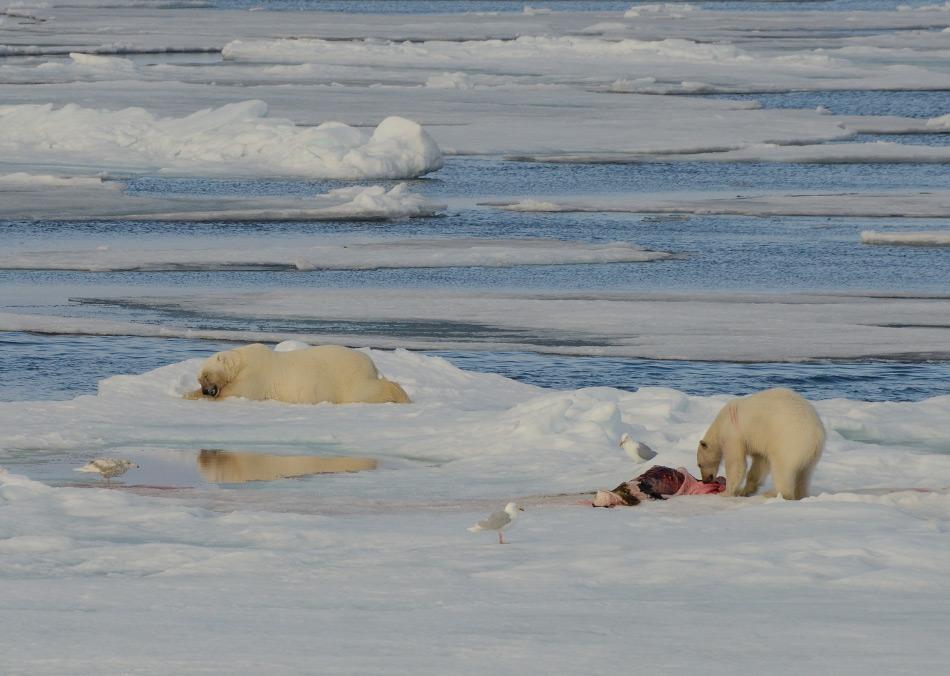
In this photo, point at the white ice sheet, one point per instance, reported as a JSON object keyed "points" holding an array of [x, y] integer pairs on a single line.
{"points": [[737, 327]]}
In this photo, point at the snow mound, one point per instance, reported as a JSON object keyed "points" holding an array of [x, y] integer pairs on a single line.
{"points": [[935, 238], [235, 139]]}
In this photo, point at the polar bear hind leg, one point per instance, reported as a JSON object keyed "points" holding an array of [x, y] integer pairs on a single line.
{"points": [[395, 393], [378, 391], [791, 474], [804, 479], [784, 478]]}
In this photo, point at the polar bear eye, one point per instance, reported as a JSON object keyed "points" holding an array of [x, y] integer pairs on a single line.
{"points": [[703, 444]]}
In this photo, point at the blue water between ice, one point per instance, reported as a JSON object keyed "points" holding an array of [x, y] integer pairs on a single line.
{"points": [[716, 253], [36, 367]]}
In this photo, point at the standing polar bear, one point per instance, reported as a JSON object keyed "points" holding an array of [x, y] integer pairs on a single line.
{"points": [[327, 373], [777, 428]]}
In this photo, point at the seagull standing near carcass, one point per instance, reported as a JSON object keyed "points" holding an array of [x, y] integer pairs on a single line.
{"points": [[107, 468], [637, 450], [499, 521]]}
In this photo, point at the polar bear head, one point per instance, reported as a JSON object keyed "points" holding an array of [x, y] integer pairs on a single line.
{"points": [[218, 370], [708, 457]]}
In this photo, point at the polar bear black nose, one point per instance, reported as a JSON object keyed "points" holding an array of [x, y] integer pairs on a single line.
{"points": [[210, 391]]}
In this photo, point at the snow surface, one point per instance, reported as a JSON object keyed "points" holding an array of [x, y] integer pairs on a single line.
{"points": [[936, 238], [381, 564], [235, 139]]}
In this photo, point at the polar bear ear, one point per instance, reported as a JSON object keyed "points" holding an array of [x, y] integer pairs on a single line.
{"points": [[230, 362]]}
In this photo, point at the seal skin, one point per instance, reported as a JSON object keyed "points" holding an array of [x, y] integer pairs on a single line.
{"points": [[326, 373]]}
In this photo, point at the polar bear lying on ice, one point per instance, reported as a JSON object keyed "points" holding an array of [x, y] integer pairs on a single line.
{"points": [[778, 429], [327, 373]]}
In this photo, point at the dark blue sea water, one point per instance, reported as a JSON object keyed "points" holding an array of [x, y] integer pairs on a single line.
{"points": [[774, 254], [34, 367], [714, 252]]}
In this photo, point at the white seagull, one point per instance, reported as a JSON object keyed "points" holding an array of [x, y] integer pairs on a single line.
{"points": [[500, 520], [107, 468], [637, 450]]}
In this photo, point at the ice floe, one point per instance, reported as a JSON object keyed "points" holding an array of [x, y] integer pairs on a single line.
{"points": [[675, 10], [313, 253], [935, 238], [22, 181], [741, 327], [546, 121], [235, 139], [829, 153], [924, 204], [654, 65], [85, 197], [536, 85]]}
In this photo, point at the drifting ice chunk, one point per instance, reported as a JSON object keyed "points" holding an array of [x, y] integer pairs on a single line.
{"points": [[939, 238], [942, 122]]}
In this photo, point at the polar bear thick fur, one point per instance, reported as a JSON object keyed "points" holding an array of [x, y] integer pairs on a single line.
{"points": [[327, 373], [777, 429]]}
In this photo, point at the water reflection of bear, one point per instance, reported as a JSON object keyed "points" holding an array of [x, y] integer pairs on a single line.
{"points": [[227, 467]]}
